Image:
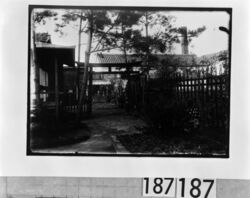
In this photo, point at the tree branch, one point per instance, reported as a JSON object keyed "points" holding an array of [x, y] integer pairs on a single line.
{"points": [[97, 45], [83, 27]]}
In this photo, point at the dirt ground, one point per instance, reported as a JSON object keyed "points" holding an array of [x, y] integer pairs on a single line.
{"points": [[113, 131], [106, 123]]}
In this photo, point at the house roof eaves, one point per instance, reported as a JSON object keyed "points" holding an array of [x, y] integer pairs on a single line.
{"points": [[53, 46]]}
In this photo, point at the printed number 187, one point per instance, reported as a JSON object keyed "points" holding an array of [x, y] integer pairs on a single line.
{"points": [[195, 188], [179, 188], [159, 187]]}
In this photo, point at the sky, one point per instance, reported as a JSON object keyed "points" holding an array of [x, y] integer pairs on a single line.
{"points": [[212, 40]]}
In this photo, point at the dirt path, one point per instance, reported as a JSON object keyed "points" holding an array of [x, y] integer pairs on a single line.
{"points": [[106, 122]]}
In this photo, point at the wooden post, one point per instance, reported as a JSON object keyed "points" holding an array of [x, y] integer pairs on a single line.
{"points": [[143, 86], [56, 89], [216, 103], [191, 86], [221, 96], [184, 88], [90, 97], [194, 90], [201, 80], [188, 86]]}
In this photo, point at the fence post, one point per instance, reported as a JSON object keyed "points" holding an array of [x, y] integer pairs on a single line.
{"points": [[216, 99], [203, 102]]}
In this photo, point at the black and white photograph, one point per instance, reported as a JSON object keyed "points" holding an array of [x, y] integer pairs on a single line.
{"points": [[129, 81]]}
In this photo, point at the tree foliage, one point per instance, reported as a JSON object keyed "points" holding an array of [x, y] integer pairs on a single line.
{"points": [[162, 26], [119, 32], [39, 17]]}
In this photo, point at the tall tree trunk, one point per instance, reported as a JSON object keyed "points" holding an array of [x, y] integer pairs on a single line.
{"points": [[79, 57], [35, 65], [124, 49], [147, 40], [124, 44], [82, 97]]}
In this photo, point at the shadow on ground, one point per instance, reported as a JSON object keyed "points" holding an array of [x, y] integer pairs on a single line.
{"points": [[111, 130], [106, 123]]}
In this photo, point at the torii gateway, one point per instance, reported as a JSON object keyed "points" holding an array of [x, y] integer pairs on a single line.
{"points": [[109, 64]]}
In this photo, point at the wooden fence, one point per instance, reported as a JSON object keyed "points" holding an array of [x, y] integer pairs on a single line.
{"points": [[70, 104], [209, 94]]}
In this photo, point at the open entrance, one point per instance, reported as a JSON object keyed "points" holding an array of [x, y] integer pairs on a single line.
{"points": [[109, 81]]}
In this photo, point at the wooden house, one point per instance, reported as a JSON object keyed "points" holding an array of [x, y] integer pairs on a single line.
{"points": [[50, 60]]}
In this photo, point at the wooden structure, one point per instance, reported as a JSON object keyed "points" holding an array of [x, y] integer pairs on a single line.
{"points": [[116, 65], [50, 61], [59, 81], [108, 64], [209, 94]]}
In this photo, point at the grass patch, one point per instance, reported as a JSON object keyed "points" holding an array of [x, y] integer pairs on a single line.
{"points": [[197, 143]]}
